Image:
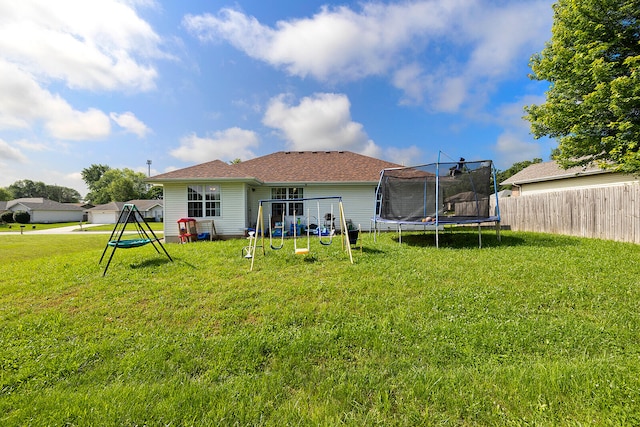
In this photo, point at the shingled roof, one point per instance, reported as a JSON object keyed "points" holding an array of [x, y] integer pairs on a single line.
{"points": [[288, 167], [549, 171], [42, 204]]}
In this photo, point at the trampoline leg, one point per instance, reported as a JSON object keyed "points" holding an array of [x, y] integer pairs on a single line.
{"points": [[498, 231], [479, 236]]}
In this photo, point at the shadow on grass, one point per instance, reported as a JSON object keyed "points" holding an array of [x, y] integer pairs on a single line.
{"points": [[468, 239], [367, 250], [155, 262], [458, 240]]}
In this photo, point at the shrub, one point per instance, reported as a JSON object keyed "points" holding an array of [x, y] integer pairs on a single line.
{"points": [[21, 217], [7, 217]]}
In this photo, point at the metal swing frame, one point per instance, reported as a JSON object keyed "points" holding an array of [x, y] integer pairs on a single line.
{"points": [[332, 229], [261, 229], [131, 214], [282, 232]]}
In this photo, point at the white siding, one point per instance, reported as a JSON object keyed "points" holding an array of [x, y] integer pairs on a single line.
{"points": [[109, 217], [357, 200], [45, 217], [230, 223], [154, 213], [234, 210], [579, 182], [175, 207]]}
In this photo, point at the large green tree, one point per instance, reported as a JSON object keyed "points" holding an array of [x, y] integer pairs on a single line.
{"points": [[92, 175], [593, 103], [114, 185], [5, 195]]}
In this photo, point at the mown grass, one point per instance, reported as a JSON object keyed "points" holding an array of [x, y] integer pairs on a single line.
{"points": [[537, 330], [15, 227]]}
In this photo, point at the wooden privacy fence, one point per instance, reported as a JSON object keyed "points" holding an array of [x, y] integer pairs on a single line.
{"points": [[611, 213]]}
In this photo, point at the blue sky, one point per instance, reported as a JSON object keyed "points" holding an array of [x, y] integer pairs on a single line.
{"points": [[185, 82]]}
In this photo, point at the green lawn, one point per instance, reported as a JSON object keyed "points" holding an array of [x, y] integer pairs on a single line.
{"points": [[537, 330], [31, 227]]}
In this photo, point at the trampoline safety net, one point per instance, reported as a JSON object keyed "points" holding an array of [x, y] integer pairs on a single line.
{"points": [[456, 192]]}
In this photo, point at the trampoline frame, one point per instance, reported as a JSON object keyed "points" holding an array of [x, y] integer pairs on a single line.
{"points": [[438, 222]]}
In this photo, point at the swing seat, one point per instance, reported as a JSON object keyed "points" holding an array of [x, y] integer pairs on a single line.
{"points": [[302, 251], [132, 243]]}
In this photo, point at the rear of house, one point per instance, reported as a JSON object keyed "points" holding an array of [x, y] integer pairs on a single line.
{"points": [[229, 195]]}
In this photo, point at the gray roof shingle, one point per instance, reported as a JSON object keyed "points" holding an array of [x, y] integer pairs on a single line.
{"points": [[42, 204], [549, 171]]}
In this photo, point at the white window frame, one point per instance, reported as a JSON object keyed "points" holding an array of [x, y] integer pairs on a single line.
{"points": [[204, 201]]}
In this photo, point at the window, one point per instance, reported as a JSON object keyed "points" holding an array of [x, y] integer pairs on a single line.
{"points": [[203, 201], [287, 193]]}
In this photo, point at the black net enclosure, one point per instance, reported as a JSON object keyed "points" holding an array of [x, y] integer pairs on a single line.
{"points": [[437, 194]]}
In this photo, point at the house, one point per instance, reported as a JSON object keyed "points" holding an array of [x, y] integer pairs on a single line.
{"points": [[230, 194], [549, 176], [44, 211], [108, 213]]}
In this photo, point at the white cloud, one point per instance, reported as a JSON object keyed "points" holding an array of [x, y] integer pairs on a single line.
{"points": [[11, 153], [130, 123], [512, 147], [96, 46], [463, 44], [320, 122], [33, 146], [88, 45], [25, 102], [515, 143], [227, 145], [336, 42], [403, 156], [75, 125]]}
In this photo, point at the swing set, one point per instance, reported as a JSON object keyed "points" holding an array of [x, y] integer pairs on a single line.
{"points": [[278, 228], [131, 215]]}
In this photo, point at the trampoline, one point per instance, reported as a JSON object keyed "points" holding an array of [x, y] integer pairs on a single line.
{"points": [[434, 195]]}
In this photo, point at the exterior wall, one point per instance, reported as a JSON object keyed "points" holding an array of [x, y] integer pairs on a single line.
{"points": [[240, 204], [103, 217], [44, 217], [573, 183], [357, 201], [175, 207], [155, 213], [233, 202]]}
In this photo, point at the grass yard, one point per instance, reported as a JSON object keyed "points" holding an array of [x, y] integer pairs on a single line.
{"points": [[538, 330]]}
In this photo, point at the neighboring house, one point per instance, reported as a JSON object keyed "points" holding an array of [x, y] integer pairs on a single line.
{"points": [[85, 207], [548, 176], [229, 194], [44, 211], [108, 213]]}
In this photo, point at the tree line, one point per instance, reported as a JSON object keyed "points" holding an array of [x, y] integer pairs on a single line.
{"points": [[105, 185]]}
